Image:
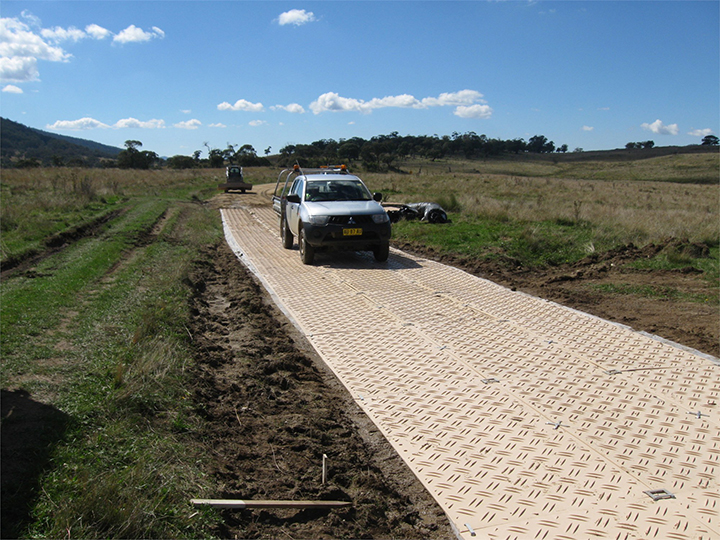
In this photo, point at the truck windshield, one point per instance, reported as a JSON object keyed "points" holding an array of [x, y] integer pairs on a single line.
{"points": [[336, 190]]}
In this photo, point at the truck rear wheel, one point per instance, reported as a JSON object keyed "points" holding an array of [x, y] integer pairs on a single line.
{"points": [[285, 234], [307, 252]]}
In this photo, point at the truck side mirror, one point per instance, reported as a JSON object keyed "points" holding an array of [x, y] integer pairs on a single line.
{"points": [[377, 196], [294, 198]]}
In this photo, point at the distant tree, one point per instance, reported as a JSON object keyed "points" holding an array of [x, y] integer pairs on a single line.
{"points": [[288, 150], [267, 150], [710, 140], [216, 157], [132, 158], [639, 145], [348, 150], [27, 163], [516, 146], [182, 162], [540, 144], [229, 153], [563, 148]]}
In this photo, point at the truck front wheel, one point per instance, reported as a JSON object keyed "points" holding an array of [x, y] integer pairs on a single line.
{"points": [[382, 252], [285, 234], [307, 252]]}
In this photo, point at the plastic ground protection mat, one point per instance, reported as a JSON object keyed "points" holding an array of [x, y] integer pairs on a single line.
{"points": [[523, 418]]}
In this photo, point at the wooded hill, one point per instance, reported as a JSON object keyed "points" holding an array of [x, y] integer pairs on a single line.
{"points": [[23, 146]]}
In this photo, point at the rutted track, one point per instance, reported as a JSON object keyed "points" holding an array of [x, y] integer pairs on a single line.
{"points": [[521, 417], [58, 242]]}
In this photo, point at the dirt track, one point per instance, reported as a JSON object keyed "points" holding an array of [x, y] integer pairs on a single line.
{"points": [[273, 410], [271, 421]]}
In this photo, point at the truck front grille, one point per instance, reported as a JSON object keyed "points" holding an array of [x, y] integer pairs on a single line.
{"points": [[345, 220]]}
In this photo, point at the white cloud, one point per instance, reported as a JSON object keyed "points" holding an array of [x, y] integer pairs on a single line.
{"points": [[186, 111], [241, 105], [63, 34], [12, 89], [256, 123], [297, 17], [695, 132], [23, 45], [473, 111], [97, 32], [330, 101], [464, 97], [138, 124], [133, 34], [403, 101], [91, 123], [587, 128], [18, 69], [32, 19], [467, 103], [189, 124], [661, 129], [82, 123], [20, 50], [292, 108]]}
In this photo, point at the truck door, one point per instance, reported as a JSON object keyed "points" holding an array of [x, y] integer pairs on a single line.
{"points": [[292, 210]]}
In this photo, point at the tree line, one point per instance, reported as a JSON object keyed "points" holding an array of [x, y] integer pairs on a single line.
{"points": [[379, 153], [382, 151]]}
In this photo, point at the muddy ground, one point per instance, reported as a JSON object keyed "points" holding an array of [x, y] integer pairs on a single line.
{"points": [[272, 409]]}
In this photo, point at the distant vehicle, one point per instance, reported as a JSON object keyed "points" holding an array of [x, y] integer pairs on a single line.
{"points": [[329, 208], [235, 179]]}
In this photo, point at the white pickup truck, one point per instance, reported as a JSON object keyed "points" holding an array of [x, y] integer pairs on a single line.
{"points": [[330, 208]]}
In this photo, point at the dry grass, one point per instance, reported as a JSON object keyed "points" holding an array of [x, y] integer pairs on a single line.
{"points": [[635, 211]]}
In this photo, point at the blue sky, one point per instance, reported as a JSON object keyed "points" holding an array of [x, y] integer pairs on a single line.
{"points": [[175, 75]]}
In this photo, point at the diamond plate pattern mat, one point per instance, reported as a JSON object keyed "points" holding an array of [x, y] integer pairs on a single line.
{"points": [[523, 418]]}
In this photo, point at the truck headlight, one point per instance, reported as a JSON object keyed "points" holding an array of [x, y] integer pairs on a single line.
{"points": [[319, 220], [381, 218]]}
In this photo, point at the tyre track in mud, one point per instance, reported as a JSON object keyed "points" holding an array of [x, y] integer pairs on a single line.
{"points": [[57, 242], [273, 409]]}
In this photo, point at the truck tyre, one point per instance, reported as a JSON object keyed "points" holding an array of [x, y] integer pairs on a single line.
{"points": [[307, 252], [285, 234], [382, 252]]}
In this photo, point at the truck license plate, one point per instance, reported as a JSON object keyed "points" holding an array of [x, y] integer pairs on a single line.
{"points": [[352, 232]]}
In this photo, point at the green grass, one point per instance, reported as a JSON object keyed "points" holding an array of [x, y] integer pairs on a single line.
{"points": [[655, 292], [531, 244], [99, 332]]}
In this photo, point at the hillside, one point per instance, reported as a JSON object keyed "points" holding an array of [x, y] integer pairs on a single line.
{"points": [[22, 144]]}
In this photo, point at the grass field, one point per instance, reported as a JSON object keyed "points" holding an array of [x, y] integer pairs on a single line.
{"points": [[541, 219], [97, 331]]}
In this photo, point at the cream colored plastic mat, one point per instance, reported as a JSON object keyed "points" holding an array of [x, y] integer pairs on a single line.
{"points": [[523, 418]]}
